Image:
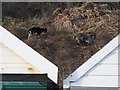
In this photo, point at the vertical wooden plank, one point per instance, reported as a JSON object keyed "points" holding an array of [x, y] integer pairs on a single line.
{"points": [[92, 88]]}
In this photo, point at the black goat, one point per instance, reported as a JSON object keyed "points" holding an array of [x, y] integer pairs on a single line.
{"points": [[36, 31], [85, 39]]}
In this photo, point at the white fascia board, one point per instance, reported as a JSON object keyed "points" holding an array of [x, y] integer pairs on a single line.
{"points": [[1, 34], [27, 53], [88, 65]]}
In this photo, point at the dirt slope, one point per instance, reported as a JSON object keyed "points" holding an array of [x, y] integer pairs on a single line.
{"points": [[60, 44]]}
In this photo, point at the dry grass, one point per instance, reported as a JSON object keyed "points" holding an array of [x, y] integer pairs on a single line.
{"points": [[58, 46]]}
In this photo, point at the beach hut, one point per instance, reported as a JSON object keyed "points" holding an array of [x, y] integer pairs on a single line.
{"points": [[20, 63], [100, 72]]}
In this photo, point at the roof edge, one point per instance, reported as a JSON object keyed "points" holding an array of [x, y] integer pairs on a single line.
{"points": [[83, 69], [30, 55]]}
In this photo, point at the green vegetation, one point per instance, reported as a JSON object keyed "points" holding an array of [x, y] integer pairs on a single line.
{"points": [[5, 23], [62, 32]]}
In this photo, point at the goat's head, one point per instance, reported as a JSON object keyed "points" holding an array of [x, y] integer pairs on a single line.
{"points": [[45, 29]]}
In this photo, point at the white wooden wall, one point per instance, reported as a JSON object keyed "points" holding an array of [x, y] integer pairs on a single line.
{"points": [[12, 63], [104, 74], [28, 54], [93, 88]]}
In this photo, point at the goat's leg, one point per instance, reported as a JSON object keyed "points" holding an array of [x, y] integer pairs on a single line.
{"points": [[29, 35], [77, 40], [38, 37]]}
